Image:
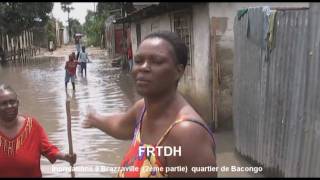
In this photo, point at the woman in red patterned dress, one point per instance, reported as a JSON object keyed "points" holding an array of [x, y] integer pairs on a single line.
{"points": [[23, 140], [163, 118]]}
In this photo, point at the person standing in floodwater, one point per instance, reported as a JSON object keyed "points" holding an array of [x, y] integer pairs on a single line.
{"points": [[71, 67], [163, 118], [23, 140], [83, 59], [73, 54]]}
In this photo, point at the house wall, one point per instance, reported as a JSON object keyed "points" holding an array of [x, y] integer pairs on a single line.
{"points": [[225, 14], [133, 34], [196, 86], [57, 35], [65, 36], [149, 25]]}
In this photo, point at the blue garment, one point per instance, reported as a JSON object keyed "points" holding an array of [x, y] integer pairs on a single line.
{"points": [[83, 57], [130, 61], [68, 77]]}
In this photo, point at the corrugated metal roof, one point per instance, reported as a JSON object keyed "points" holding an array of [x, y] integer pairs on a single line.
{"points": [[152, 10]]}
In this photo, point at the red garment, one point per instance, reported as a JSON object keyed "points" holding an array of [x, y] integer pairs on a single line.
{"points": [[20, 156], [130, 53], [71, 67]]}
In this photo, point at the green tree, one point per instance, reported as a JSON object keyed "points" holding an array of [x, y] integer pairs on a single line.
{"points": [[76, 26], [92, 28], [16, 17], [51, 30], [105, 9], [94, 25], [66, 7]]}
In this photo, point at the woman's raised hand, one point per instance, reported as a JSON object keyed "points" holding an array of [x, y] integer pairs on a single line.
{"points": [[89, 117]]}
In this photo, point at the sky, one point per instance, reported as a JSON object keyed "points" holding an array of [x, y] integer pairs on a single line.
{"points": [[79, 12]]}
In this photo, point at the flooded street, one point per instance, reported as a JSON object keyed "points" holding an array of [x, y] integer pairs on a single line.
{"points": [[40, 86]]}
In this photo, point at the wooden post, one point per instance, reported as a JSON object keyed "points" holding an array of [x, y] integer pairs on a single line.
{"points": [[25, 44], [2, 49], [30, 45], [31, 37], [20, 47], [17, 47], [1, 41], [14, 49], [69, 133], [8, 43], [215, 85]]}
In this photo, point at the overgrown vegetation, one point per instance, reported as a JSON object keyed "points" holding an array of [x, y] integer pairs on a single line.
{"points": [[51, 30], [16, 17], [93, 28], [94, 25], [76, 26]]}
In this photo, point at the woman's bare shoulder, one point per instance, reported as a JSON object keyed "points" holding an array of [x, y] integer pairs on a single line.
{"points": [[192, 126], [134, 111], [187, 112], [138, 105]]}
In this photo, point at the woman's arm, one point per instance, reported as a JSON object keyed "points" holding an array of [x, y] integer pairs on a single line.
{"points": [[67, 157], [120, 125], [50, 151]]}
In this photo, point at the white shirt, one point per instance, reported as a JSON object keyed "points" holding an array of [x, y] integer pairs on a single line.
{"points": [[83, 57]]}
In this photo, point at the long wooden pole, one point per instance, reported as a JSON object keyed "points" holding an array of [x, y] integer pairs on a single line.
{"points": [[69, 133]]}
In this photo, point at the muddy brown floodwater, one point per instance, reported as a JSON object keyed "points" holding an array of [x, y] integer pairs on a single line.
{"points": [[40, 87]]}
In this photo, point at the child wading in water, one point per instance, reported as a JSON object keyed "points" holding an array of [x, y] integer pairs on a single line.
{"points": [[71, 67], [83, 59]]}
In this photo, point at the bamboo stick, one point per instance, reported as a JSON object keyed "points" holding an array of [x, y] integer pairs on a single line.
{"points": [[69, 134]]}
